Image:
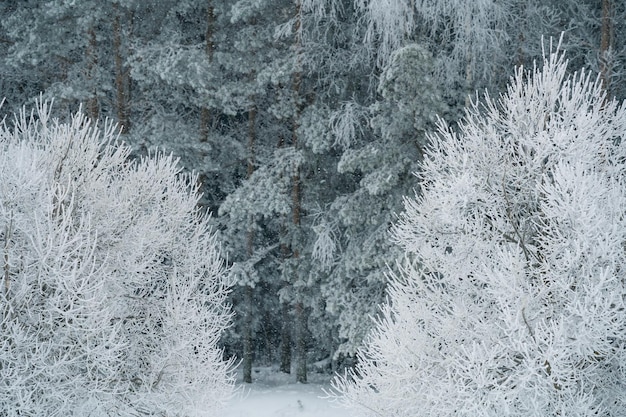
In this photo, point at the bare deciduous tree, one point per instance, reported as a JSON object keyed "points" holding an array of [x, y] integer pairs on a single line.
{"points": [[114, 292]]}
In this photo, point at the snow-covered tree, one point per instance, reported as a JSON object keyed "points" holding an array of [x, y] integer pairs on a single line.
{"points": [[512, 298], [594, 39], [289, 185], [72, 51], [114, 291], [382, 163]]}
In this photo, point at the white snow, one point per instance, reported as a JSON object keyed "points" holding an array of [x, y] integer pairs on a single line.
{"points": [[273, 394]]}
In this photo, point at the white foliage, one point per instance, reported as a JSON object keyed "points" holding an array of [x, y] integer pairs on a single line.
{"points": [[474, 31], [325, 245], [266, 192], [389, 23], [113, 295], [245, 9], [347, 123], [512, 298]]}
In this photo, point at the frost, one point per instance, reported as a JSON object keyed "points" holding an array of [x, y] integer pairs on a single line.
{"points": [[113, 287], [510, 300]]}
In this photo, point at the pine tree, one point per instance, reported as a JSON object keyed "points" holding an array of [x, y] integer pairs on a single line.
{"points": [[381, 162], [69, 51]]}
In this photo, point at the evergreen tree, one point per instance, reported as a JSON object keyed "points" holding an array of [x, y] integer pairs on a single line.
{"points": [[382, 164], [74, 52], [261, 71]]}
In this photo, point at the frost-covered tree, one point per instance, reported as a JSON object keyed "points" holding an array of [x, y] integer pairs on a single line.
{"points": [[381, 162], [476, 43], [257, 79], [113, 288], [227, 86], [595, 39], [72, 51], [378, 130], [291, 183], [512, 298]]}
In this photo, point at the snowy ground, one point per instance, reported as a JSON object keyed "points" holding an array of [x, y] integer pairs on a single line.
{"points": [[276, 395]]}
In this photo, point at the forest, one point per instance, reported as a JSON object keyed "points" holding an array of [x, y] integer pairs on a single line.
{"points": [[305, 125]]}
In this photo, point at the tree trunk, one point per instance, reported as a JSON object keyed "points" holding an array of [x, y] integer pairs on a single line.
{"points": [[285, 336], [248, 299], [605, 45], [92, 105], [122, 80], [520, 58], [247, 336], [205, 122], [285, 329], [299, 310], [300, 318], [301, 356], [205, 112], [470, 62]]}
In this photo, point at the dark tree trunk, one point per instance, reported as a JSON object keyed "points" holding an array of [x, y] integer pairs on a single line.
{"points": [[301, 357], [285, 336], [605, 45], [248, 299], [122, 78], [247, 336], [92, 105], [205, 112], [299, 309]]}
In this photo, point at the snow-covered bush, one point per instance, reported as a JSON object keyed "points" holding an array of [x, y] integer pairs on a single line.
{"points": [[511, 301], [113, 288]]}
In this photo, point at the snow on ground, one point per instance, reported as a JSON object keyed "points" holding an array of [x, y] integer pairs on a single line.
{"points": [[273, 394]]}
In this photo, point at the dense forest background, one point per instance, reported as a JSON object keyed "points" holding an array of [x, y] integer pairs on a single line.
{"points": [[305, 120]]}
